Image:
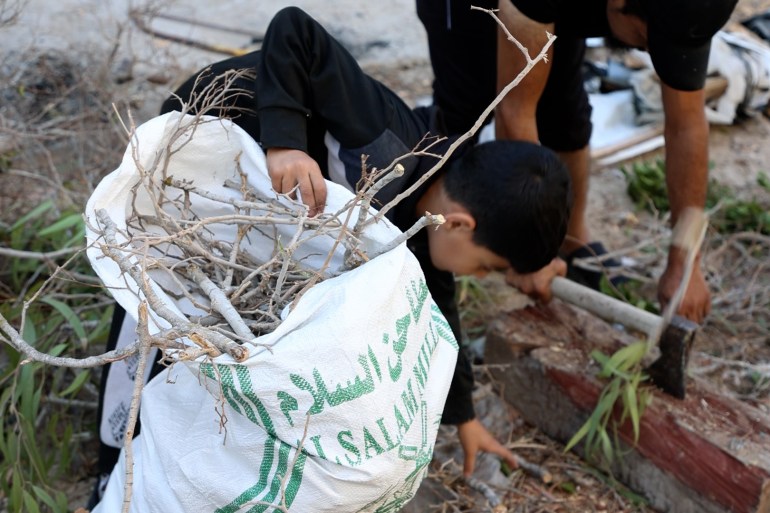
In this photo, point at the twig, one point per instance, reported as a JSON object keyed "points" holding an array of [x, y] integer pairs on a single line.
{"points": [[33, 355], [534, 469], [145, 342], [72, 403], [220, 303], [489, 494], [426, 220], [222, 343], [36, 255]]}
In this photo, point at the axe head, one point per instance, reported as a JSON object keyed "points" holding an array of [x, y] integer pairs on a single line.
{"points": [[669, 371]]}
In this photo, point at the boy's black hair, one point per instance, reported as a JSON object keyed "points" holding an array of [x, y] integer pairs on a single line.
{"points": [[520, 196]]}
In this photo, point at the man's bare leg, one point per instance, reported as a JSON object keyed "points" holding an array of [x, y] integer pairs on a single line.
{"points": [[578, 234]]}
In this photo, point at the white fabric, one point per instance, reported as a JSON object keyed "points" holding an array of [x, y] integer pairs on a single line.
{"points": [[741, 59], [363, 362]]}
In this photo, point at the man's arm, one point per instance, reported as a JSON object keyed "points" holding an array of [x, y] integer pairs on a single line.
{"points": [[515, 115], [686, 133]]}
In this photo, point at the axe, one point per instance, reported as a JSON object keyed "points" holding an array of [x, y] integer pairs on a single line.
{"points": [[668, 371], [672, 333]]}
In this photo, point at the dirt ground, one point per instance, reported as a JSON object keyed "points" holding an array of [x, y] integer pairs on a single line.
{"points": [[387, 37]]}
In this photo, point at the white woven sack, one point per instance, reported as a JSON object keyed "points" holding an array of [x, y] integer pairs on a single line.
{"points": [[359, 369]]}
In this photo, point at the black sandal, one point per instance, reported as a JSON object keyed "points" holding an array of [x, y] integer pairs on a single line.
{"points": [[589, 277]]}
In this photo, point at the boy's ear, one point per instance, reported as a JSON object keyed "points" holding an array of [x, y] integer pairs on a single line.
{"points": [[460, 221]]}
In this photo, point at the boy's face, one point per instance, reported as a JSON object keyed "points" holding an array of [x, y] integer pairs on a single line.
{"points": [[454, 251]]}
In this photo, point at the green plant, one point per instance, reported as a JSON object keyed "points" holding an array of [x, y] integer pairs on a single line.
{"points": [[623, 399], [647, 184], [64, 315], [474, 303], [630, 292], [647, 188]]}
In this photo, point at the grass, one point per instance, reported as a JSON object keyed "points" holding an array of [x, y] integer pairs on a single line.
{"points": [[41, 440], [647, 188]]}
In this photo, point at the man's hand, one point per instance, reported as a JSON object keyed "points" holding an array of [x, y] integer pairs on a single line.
{"points": [[537, 284], [474, 437], [290, 168], [696, 303]]}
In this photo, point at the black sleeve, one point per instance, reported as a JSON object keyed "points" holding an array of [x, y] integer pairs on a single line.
{"points": [[305, 73]]}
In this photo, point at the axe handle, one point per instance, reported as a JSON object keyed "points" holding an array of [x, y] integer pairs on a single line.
{"points": [[605, 307]]}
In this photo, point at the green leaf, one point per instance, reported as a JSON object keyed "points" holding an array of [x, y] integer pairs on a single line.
{"points": [[30, 504], [28, 332], [32, 214], [578, 436], [58, 349], [45, 497], [606, 444], [600, 357], [763, 181], [631, 404], [624, 359], [17, 486], [70, 316], [81, 378], [62, 224]]}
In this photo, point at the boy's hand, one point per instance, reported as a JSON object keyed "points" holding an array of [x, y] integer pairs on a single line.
{"points": [[474, 437], [290, 168], [537, 284]]}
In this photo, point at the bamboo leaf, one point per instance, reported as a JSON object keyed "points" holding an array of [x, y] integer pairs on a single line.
{"points": [[600, 357], [578, 436], [70, 316], [57, 349], [81, 378], [625, 358], [30, 504], [606, 444], [17, 486], [632, 406], [34, 213], [45, 497], [62, 224]]}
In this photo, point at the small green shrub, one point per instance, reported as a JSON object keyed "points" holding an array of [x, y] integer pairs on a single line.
{"points": [[625, 393], [647, 185], [59, 316], [647, 188]]}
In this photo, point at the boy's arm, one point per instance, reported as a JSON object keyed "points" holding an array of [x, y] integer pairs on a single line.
{"points": [[537, 285], [475, 438], [306, 77]]}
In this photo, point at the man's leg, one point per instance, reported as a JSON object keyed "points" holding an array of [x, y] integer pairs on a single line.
{"points": [[564, 125], [463, 54], [578, 164]]}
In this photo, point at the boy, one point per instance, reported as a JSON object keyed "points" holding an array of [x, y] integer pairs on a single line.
{"points": [[315, 112]]}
